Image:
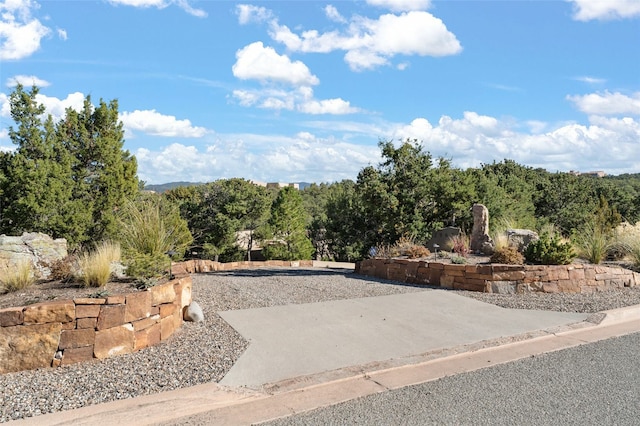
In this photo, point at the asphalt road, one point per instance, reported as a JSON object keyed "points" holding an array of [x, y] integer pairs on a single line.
{"points": [[594, 384]]}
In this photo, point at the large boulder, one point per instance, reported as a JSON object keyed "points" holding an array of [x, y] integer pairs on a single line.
{"points": [[40, 250], [442, 238], [520, 238]]}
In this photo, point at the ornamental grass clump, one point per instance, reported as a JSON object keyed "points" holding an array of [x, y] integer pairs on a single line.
{"points": [[96, 265], [628, 242], [594, 243], [150, 228], [17, 278]]}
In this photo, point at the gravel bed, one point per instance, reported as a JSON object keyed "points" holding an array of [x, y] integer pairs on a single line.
{"points": [[204, 352]]}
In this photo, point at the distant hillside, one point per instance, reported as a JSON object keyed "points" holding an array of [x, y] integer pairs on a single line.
{"points": [[167, 186], [170, 185]]}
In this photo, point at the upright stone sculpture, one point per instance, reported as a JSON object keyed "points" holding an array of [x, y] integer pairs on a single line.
{"points": [[481, 242]]}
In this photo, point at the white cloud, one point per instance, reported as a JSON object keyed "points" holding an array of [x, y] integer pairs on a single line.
{"points": [[257, 62], [401, 5], [62, 33], [328, 106], [300, 99], [248, 13], [161, 4], [154, 123], [57, 107], [476, 139], [20, 34], [607, 103], [333, 14], [587, 10], [370, 43], [302, 157], [27, 81]]}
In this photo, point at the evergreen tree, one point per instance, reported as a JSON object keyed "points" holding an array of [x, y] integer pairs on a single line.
{"points": [[104, 174], [288, 224], [38, 185]]}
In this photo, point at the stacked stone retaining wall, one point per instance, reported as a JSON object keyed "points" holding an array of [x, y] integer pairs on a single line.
{"points": [[497, 278], [64, 332]]}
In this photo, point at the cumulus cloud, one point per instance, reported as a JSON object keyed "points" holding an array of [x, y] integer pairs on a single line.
{"points": [[370, 43], [607, 103], [257, 62], [587, 10], [401, 5], [27, 81], [475, 139], [153, 123], [328, 106], [57, 107], [20, 33], [161, 4], [301, 157], [300, 99]]}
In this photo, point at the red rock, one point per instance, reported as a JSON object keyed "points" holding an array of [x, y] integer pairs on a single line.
{"points": [[86, 323], [162, 294], [76, 338], [11, 316], [114, 341], [50, 312], [147, 337], [110, 316], [74, 355], [87, 311], [26, 347], [138, 306]]}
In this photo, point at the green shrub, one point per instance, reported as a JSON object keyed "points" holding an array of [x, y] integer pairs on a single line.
{"points": [[96, 265], [593, 243], [508, 255], [549, 250], [458, 260], [17, 278], [143, 266]]}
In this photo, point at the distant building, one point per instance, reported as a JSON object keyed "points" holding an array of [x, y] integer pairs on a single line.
{"points": [[597, 173], [276, 185]]}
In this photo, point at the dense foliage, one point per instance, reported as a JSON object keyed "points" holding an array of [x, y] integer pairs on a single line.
{"points": [[72, 179], [66, 179]]}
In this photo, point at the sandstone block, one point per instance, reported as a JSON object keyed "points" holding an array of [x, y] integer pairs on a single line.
{"points": [[504, 287], [509, 275], [89, 301], [49, 312], [145, 323], [76, 338], [550, 287], [138, 306], [167, 309], [114, 341], [86, 323], [87, 311], [74, 355], [446, 281], [111, 316], [11, 316], [167, 327], [116, 300], [147, 337], [162, 294], [26, 347], [576, 274]]}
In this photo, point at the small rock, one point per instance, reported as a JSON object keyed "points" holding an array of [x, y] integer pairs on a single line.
{"points": [[193, 312]]}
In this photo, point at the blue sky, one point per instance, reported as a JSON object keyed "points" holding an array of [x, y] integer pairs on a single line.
{"points": [[303, 90]]}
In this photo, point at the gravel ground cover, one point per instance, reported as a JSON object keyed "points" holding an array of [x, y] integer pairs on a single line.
{"points": [[204, 352]]}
